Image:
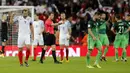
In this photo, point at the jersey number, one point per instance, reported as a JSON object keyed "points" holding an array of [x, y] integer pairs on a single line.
{"points": [[121, 29]]}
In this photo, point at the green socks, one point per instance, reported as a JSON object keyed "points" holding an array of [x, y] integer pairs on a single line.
{"points": [[88, 59], [98, 57], [105, 51], [116, 55]]}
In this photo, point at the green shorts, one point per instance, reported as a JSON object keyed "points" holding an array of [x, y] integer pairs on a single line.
{"points": [[92, 43], [104, 39], [120, 41], [127, 39]]}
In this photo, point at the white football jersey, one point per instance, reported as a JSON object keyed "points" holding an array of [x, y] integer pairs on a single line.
{"points": [[38, 26], [64, 29], [24, 24]]}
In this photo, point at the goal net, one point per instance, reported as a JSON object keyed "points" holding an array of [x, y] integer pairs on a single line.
{"points": [[13, 29]]}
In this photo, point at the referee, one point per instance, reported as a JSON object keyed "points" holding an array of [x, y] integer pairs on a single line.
{"points": [[49, 38]]}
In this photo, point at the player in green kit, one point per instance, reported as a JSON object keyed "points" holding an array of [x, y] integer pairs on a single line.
{"points": [[127, 20], [102, 35], [120, 28], [93, 40]]}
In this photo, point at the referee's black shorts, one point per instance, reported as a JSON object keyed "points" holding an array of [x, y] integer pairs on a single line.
{"points": [[49, 39], [4, 37]]}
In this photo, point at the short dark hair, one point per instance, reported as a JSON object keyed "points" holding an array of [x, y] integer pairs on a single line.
{"points": [[51, 13], [68, 16], [97, 13], [117, 16], [62, 13], [36, 14]]}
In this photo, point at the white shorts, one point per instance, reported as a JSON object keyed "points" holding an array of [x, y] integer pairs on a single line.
{"points": [[38, 40], [23, 40], [64, 41]]}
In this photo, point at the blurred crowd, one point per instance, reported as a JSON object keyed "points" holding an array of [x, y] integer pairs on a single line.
{"points": [[81, 12]]}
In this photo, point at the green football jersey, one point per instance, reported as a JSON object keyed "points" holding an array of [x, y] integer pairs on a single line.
{"points": [[102, 27], [93, 25], [127, 34], [120, 27]]}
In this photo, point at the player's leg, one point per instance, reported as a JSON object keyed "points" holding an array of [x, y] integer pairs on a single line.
{"points": [[101, 37], [4, 42], [99, 47], [53, 46], [20, 56], [35, 42], [124, 44], [54, 54], [41, 44], [28, 46], [67, 49], [61, 53], [62, 44], [67, 53], [3, 49], [34, 52], [127, 41], [90, 48], [43, 53], [116, 46], [27, 55], [88, 58], [46, 44], [20, 50], [124, 55], [106, 44]]}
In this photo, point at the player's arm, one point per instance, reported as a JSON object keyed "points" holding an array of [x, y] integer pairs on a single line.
{"points": [[43, 28], [13, 18], [32, 30], [112, 29], [90, 32], [70, 31], [56, 24], [69, 28], [127, 30]]}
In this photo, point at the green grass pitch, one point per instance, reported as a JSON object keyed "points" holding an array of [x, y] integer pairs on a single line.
{"points": [[76, 65], [11, 65], [110, 66]]}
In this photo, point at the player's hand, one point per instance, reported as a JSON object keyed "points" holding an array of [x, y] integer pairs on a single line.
{"points": [[94, 38], [40, 33], [12, 14], [32, 37], [68, 37], [61, 22]]}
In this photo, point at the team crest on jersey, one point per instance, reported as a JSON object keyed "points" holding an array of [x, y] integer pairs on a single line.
{"points": [[88, 25]]}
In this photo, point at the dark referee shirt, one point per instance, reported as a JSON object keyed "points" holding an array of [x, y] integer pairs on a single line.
{"points": [[4, 27]]}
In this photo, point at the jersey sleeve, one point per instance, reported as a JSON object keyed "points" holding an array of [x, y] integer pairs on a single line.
{"points": [[69, 25], [31, 22], [113, 26], [42, 24], [16, 18], [129, 23], [89, 24], [59, 27]]}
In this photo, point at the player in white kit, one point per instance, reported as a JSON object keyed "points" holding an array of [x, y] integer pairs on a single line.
{"points": [[38, 26], [64, 36], [25, 30]]}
